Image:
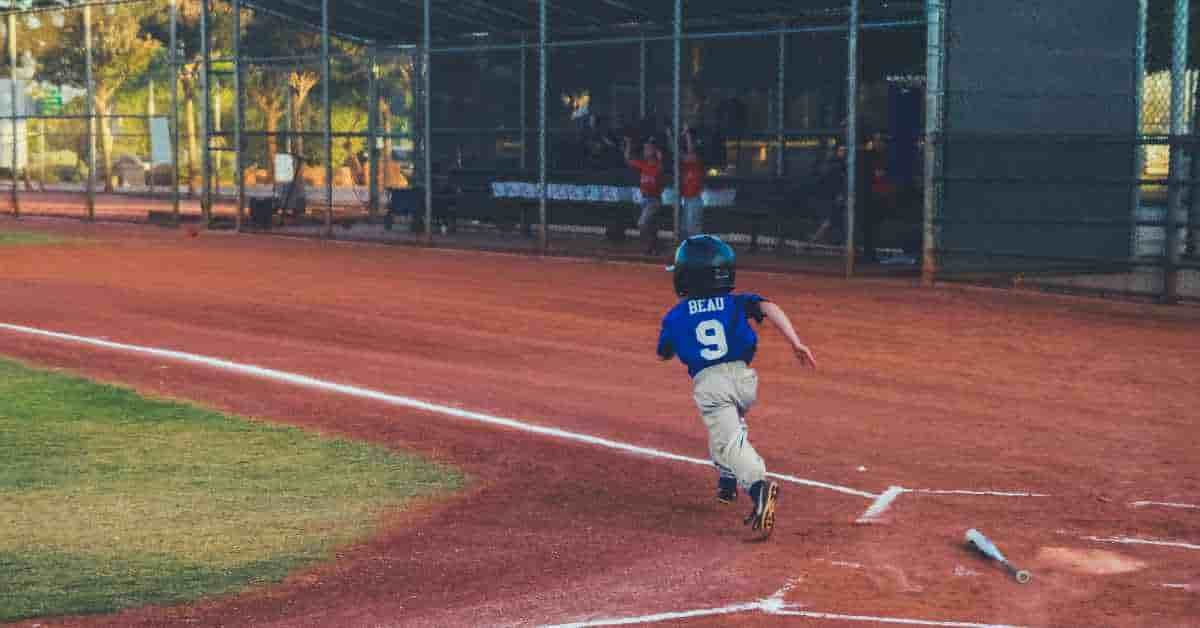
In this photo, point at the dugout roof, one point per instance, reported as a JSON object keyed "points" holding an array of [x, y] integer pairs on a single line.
{"points": [[400, 21]]}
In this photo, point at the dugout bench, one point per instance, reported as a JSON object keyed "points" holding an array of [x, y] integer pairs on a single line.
{"points": [[779, 206], [466, 194]]}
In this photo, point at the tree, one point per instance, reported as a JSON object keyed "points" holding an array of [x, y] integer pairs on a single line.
{"points": [[120, 53], [400, 73], [157, 24], [263, 88], [302, 83], [268, 86]]}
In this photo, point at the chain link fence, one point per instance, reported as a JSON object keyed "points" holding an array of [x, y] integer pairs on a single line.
{"points": [[766, 105], [1059, 159], [93, 111], [1054, 158]]}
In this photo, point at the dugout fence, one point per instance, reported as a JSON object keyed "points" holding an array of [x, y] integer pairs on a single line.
{"points": [[1016, 143], [1063, 162]]}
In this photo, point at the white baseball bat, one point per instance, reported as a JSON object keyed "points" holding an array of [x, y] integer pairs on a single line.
{"points": [[989, 549]]}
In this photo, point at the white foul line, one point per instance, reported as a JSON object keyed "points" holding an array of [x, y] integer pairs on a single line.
{"points": [[397, 400], [1164, 505], [774, 605], [880, 504], [884, 501], [930, 491], [889, 620], [660, 617], [813, 483], [1126, 540]]}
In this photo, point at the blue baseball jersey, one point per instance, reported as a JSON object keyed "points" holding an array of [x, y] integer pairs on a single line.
{"points": [[711, 330]]}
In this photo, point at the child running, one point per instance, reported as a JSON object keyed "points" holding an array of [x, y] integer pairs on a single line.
{"points": [[709, 330]]}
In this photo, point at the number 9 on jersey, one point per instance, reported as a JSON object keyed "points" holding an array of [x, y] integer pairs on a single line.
{"points": [[711, 334]]}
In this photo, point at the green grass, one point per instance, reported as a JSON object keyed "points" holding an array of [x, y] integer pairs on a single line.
{"points": [[111, 500], [20, 238]]}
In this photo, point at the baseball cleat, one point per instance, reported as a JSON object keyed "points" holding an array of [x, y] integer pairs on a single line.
{"points": [[727, 489], [762, 518]]}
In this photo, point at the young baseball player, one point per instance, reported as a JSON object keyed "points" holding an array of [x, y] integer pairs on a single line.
{"points": [[650, 179], [709, 330], [691, 170]]}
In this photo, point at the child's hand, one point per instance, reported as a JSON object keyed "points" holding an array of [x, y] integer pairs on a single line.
{"points": [[804, 354]]}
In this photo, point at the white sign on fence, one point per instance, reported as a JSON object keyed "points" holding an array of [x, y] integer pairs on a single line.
{"points": [[285, 168], [160, 141]]}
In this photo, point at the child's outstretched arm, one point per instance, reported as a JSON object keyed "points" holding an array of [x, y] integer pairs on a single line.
{"points": [[784, 325], [665, 350]]}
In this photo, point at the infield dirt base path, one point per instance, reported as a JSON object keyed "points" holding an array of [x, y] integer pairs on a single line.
{"points": [[1090, 402]]}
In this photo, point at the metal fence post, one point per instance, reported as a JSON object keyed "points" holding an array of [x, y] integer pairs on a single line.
{"points": [[933, 137], [1179, 51], [1139, 148], [780, 107], [91, 111], [206, 194], [239, 118], [372, 132], [851, 133], [677, 43], [642, 77], [12, 66], [543, 229], [427, 37], [173, 63], [524, 96], [1192, 215], [289, 118], [218, 156], [42, 153], [327, 118]]}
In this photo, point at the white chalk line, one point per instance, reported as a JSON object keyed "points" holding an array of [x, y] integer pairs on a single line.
{"points": [[880, 504], [890, 620], [1127, 540], [398, 400], [773, 605], [1142, 504], [884, 501], [797, 480], [661, 617], [1185, 587], [930, 491]]}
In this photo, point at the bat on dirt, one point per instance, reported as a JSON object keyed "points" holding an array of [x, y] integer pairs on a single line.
{"points": [[981, 543]]}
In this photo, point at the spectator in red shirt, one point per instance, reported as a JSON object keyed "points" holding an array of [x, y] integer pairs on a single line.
{"points": [[691, 170], [650, 169]]}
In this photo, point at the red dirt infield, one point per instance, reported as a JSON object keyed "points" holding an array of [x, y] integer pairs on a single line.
{"points": [[1090, 402]]}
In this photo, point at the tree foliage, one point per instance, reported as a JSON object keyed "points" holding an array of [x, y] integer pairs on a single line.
{"points": [[121, 54]]}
